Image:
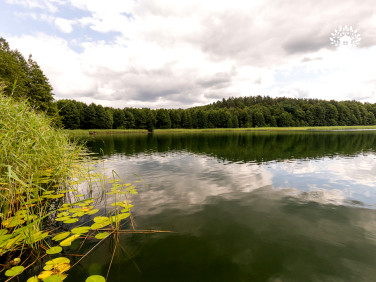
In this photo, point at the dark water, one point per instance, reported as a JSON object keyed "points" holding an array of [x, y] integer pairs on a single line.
{"points": [[243, 207]]}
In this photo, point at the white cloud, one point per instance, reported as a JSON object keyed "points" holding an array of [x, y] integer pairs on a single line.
{"points": [[184, 53], [64, 25]]}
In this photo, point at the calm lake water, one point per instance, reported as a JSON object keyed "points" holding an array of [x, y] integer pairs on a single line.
{"points": [[243, 207]]}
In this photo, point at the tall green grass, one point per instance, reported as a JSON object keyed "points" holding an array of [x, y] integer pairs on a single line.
{"points": [[35, 157]]}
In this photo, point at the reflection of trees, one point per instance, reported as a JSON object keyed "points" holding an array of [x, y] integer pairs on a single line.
{"points": [[247, 147]]}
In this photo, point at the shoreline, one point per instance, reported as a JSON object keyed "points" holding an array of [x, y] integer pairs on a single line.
{"points": [[88, 132]]}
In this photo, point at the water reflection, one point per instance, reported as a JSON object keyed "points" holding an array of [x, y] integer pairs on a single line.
{"points": [[259, 236], [256, 147], [245, 207]]}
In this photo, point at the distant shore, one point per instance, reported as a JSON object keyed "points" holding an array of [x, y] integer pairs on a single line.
{"points": [[204, 130]]}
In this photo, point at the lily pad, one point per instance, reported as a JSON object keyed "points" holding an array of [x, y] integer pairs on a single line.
{"points": [[101, 235], [63, 218], [61, 236], [15, 270], [44, 274], [91, 212], [80, 230], [95, 278], [67, 242], [72, 220], [57, 261], [63, 214], [33, 279], [54, 250]]}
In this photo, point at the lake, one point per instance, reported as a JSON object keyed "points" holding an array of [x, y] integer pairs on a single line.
{"points": [[249, 206]]}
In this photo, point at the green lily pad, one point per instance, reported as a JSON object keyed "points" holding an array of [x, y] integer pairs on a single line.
{"points": [[101, 235], [33, 279], [54, 250], [74, 210], [95, 278], [61, 236], [72, 220], [99, 225], [120, 216], [67, 242], [80, 230], [63, 218], [91, 212], [57, 261], [78, 214], [63, 214], [15, 270]]}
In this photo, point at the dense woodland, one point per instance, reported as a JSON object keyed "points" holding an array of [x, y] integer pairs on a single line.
{"points": [[24, 79], [229, 113]]}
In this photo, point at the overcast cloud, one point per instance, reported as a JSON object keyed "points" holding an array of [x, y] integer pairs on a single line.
{"points": [[173, 54]]}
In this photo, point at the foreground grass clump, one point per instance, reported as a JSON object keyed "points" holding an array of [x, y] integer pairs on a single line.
{"points": [[35, 158], [33, 154]]}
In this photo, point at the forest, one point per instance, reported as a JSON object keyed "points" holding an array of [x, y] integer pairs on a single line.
{"points": [[23, 78]]}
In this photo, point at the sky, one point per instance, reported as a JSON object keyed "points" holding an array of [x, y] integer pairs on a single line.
{"points": [[180, 54]]}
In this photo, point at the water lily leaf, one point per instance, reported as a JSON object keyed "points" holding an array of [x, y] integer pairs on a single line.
{"points": [[72, 220], [94, 211], [101, 235], [63, 218], [48, 267], [120, 216], [80, 230], [95, 278], [78, 214], [54, 250], [101, 219], [117, 204], [62, 214], [63, 209], [74, 210], [15, 270], [33, 279], [62, 267], [67, 242], [55, 278], [57, 261], [61, 236], [44, 274], [101, 224]]}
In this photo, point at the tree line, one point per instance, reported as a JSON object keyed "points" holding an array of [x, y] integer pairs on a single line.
{"points": [[23, 78], [243, 112]]}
